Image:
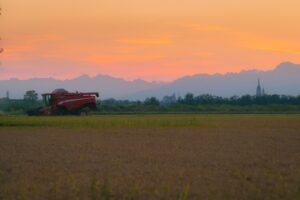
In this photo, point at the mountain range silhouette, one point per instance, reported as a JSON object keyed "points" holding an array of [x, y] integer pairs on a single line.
{"points": [[284, 79]]}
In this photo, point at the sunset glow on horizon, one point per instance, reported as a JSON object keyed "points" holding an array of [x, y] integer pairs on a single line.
{"points": [[150, 40]]}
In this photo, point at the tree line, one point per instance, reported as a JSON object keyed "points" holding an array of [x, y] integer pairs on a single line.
{"points": [[207, 99], [206, 103], [187, 103]]}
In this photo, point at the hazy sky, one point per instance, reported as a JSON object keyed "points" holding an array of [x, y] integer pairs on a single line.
{"points": [[152, 40]]}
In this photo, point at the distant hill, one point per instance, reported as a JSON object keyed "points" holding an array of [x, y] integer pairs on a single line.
{"points": [[107, 86], [284, 79]]}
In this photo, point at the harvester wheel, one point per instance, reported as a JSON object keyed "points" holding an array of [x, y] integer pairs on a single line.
{"points": [[61, 111], [84, 111], [34, 112]]}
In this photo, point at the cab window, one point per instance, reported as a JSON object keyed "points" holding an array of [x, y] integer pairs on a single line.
{"points": [[48, 99]]}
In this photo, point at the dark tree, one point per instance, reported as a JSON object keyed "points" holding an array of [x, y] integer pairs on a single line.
{"points": [[189, 99], [151, 101], [31, 95]]}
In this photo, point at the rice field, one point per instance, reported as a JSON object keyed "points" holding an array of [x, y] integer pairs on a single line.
{"points": [[150, 157]]}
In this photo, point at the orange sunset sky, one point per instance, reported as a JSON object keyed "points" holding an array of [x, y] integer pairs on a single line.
{"points": [[151, 40]]}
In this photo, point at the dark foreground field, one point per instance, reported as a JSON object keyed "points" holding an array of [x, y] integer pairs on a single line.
{"points": [[150, 157]]}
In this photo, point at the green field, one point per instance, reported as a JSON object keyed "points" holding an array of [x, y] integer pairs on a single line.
{"points": [[150, 121], [150, 157]]}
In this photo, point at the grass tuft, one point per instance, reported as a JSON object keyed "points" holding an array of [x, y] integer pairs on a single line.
{"points": [[101, 191]]}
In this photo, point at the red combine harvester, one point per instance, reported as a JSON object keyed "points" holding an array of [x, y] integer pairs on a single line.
{"points": [[62, 102]]}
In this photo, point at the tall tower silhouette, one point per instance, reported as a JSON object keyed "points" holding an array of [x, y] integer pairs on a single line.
{"points": [[258, 89]]}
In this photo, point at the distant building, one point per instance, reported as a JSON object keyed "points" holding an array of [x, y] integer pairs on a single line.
{"points": [[260, 91], [7, 94], [169, 99], [263, 92]]}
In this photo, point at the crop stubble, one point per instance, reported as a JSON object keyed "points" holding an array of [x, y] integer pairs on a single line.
{"points": [[212, 157]]}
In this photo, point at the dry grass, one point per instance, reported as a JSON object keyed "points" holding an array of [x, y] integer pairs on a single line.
{"points": [[150, 157]]}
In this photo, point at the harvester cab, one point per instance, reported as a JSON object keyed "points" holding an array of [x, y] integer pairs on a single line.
{"points": [[48, 99]]}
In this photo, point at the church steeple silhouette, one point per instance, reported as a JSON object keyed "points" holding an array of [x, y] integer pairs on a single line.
{"points": [[258, 89]]}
